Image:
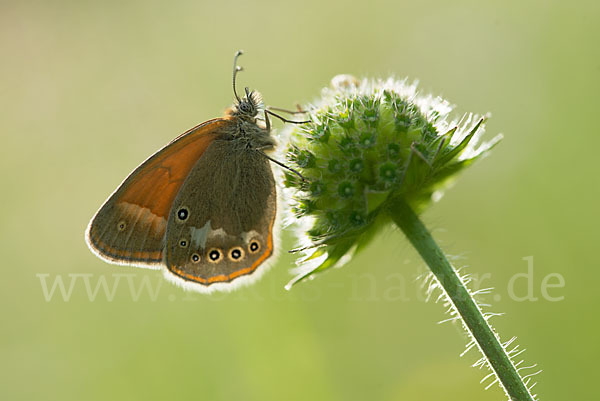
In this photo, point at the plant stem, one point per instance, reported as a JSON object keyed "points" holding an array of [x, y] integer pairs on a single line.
{"points": [[465, 305]]}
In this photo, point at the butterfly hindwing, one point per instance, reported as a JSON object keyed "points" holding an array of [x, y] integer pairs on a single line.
{"points": [[220, 227]]}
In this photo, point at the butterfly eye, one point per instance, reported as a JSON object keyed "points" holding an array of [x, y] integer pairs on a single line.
{"points": [[121, 225], [215, 255], [183, 243], [245, 107], [236, 254], [183, 213], [254, 246], [195, 258]]}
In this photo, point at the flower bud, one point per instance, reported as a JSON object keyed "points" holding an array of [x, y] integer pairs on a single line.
{"points": [[367, 144]]}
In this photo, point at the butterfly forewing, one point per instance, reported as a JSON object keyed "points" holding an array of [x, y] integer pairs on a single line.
{"points": [[130, 227]]}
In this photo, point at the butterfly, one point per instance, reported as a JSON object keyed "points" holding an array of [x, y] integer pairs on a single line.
{"points": [[203, 208]]}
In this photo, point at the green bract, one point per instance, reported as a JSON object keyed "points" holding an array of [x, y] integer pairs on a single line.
{"points": [[367, 144]]}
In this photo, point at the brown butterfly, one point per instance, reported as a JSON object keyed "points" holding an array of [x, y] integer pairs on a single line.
{"points": [[203, 207]]}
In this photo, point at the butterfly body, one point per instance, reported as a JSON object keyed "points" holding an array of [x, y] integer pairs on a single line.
{"points": [[203, 207]]}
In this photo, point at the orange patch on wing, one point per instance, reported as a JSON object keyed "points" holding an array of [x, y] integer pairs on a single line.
{"points": [[164, 173]]}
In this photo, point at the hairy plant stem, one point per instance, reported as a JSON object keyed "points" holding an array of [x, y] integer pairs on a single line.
{"points": [[472, 316]]}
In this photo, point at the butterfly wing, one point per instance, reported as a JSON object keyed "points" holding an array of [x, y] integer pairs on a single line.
{"points": [[220, 228], [130, 227]]}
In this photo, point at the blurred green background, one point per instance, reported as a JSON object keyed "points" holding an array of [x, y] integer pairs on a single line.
{"points": [[90, 89]]}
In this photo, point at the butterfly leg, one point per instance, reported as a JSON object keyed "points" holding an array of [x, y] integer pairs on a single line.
{"points": [[298, 110], [413, 151], [281, 164], [285, 120], [267, 121], [419, 154]]}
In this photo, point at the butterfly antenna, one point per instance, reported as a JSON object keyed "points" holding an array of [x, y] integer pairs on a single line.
{"points": [[236, 69]]}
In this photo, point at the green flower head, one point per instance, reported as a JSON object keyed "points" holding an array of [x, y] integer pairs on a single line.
{"points": [[369, 143]]}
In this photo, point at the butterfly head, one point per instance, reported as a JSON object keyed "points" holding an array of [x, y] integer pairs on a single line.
{"points": [[248, 105]]}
